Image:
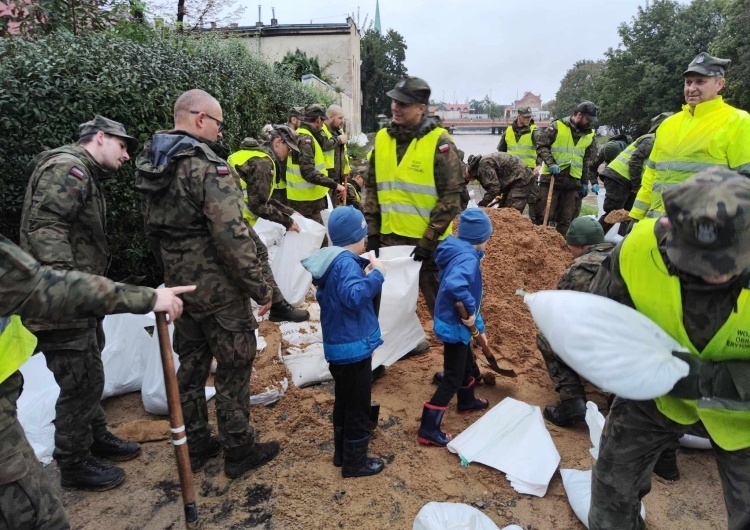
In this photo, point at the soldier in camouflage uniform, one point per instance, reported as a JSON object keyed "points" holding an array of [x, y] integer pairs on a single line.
{"points": [[63, 224], [354, 189], [690, 274], [409, 101], [295, 117], [193, 218], [27, 499], [336, 139], [569, 189], [501, 174]]}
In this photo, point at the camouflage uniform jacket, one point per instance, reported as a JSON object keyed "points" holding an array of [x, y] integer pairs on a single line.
{"points": [[644, 145], [193, 219], [341, 159], [259, 174], [517, 131], [544, 141], [306, 157], [498, 171], [579, 275], [63, 223], [449, 182]]}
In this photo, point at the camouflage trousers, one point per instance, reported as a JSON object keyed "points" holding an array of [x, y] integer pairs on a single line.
{"points": [[516, 195], [532, 200], [261, 251], [567, 382], [27, 499], [74, 356], [428, 272], [634, 436], [565, 205], [618, 197], [229, 336], [310, 209]]}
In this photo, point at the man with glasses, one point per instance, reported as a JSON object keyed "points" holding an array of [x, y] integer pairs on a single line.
{"points": [[193, 219]]}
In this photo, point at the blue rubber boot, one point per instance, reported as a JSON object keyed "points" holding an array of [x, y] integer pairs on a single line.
{"points": [[429, 431], [467, 402]]}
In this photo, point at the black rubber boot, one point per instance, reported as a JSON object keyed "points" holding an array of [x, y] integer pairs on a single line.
{"points": [[284, 312], [438, 378], [356, 461], [240, 460], [567, 413], [198, 459], [429, 429], [91, 475], [338, 446], [378, 372], [109, 446], [467, 402], [420, 349], [666, 466]]}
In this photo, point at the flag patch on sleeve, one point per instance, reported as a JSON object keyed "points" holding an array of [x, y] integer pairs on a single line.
{"points": [[222, 170], [76, 172], [444, 148]]}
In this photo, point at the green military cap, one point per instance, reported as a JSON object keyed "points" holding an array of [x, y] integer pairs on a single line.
{"points": [[705, 64], [107, 126], [313, 110], [411, 90], [588, 109], [709, 223], [286, 134], [296, 112], [524, 111], [584, 231], [657, 120], [473, 163]]}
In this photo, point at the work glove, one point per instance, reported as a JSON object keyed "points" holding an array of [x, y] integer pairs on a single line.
{"points": [[584, 190], [554, 169], [689, 386], [373, 244], [595, 189], [421, 254]]}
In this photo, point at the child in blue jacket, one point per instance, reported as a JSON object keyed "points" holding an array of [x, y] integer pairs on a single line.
{"points": [[460, 281], [350, 334]]}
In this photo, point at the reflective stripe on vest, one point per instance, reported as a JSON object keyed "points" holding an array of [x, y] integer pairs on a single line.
{"points": [[621, 164], [329, 155], [406, 190], [16, 346], [297, 188], [656, 294], [524, 148], [568, 154], [239, 158]]}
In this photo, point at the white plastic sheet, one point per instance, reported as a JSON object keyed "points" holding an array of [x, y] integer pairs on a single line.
{"points": [[577, 486], [124, 354], [692, 441], [512, 438], [290, 275], [36, 406], [454, 516], [269, 232], [308, 366], [618, 349]]}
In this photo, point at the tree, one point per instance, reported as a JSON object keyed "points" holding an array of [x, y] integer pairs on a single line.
{"points": [[42, 17], [195, 14], [733, 43], [577, 85], [296, 64], [382, 66]]}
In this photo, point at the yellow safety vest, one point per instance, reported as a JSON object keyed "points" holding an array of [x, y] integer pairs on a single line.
{"points": [[406, 190], [239, 158], [621, 164], [688, 143], [567, 153], [523, 148], [330, 156], [656, 294], [16, 346], [297, 188]]}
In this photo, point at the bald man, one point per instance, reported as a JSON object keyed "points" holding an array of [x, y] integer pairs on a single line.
{"points": [[193, 219], [334, 148]]}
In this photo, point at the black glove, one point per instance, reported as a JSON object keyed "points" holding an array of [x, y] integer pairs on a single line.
{"points": [[421, 254], [373, 244], [689, 386]]}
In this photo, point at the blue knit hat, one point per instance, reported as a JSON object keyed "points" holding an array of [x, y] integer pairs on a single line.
{"points": [[474, 226], [346, 225]]}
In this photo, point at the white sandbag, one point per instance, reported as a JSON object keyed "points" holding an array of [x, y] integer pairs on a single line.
{"points": [[124, 356], [617, 348], [301, 334], [36, 406], [692, 441], [308, 366], [612, 235], [512, 438], [269, 232], [400, 327], [270, 395], [595, 421], [452, 516], [577, 486], [290, 275]]}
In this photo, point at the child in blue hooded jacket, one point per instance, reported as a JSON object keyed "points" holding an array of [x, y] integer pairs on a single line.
{"points": [[350, 334], [460, 281]]}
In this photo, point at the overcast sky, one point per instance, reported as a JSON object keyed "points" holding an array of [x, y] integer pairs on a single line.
{"points": [[472, 48]]}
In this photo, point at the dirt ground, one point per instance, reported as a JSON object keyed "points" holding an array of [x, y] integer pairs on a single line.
{"points": [[301, 489]]}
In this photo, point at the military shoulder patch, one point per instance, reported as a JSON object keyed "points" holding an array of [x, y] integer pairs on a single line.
{"points": [[222, 170], [308, 140], [444, 148], [77, 172]]}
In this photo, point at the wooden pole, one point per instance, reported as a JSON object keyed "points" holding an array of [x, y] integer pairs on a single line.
{"points": [[549, 200]]}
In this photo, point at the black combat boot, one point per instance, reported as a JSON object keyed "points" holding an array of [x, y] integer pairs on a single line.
{"points": [[666, 466], [356, 461], [567, 413], [109, 446], [240, 460], [338, 446], [91, 475], [284, 312], [199, 458]]}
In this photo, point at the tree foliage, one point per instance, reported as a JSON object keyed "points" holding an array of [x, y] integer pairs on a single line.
{"points": [[733, 43], [577, 85], [297, 63], [41, 17], [382, 66], [487, 106], [194, 14]]}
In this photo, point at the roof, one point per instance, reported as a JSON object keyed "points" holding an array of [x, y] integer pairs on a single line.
{"points": [[286, 29]]}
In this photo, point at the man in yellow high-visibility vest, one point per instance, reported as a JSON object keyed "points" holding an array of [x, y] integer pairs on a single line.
{"points": [[520, 140], [707, 132], [335, 152], [689, 272]]}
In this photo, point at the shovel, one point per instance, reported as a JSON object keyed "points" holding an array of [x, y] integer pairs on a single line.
{"points": [[482, 342]]}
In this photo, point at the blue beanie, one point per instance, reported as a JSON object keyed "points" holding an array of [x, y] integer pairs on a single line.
{"points": [[474, 226], [346, 225]]}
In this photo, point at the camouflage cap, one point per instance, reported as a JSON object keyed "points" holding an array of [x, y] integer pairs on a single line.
{"points": [[588, 109], [657, 120], [313, 110], [584, 231], [296, 112], [411, 90], [107, 126], [285, 133], [524, 111], [709, 223], [705, 64], [472, 164]]}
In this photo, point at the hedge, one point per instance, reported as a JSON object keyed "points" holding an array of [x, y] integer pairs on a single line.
{"points": [[48, 86]]}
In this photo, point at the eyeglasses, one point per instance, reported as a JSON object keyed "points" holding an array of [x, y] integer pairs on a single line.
{"points": [[219, 122]]}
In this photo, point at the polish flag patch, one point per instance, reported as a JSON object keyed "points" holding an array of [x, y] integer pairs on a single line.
{"points": [[76, 172], [222, 170], [444, 148]]}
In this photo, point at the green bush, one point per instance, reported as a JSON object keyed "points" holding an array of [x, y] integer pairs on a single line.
{"points": [[50, 85]]}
